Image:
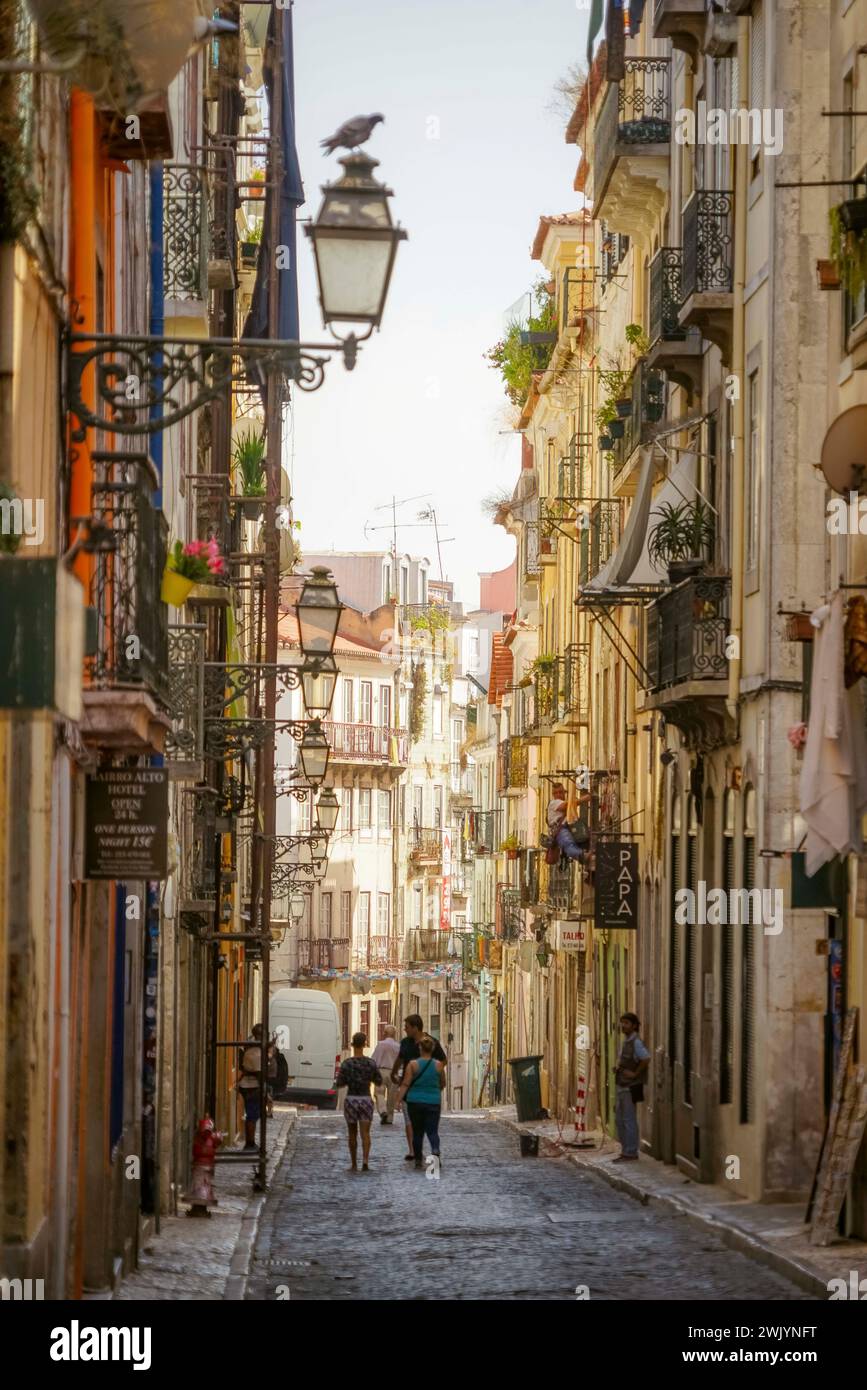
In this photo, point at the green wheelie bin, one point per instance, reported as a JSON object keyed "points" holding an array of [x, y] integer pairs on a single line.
{"points": [[527, 1082]]}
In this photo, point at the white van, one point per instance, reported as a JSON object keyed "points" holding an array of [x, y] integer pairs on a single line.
{"points": [[308, 1035]]}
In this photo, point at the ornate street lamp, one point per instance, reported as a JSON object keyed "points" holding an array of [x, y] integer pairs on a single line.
{"points": [[319, 850], [327, 809], [318, 609], [354, 243], [318, 681], [314, 751], [296, 906]]}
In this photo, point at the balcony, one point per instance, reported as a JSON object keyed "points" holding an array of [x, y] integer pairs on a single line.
{"points": [[461, 782], [426, 945], [598, 539], [573, 691], [425, 847], [383, 953], [531, 860], [681, 21], [676, 350], [685, 659], [329, 953], [197, 864], [126, 699], [631, 155], [647, 390], [185, 738], [574, 471], [531, 565], [367, 743], [564, 889], [185, 252], [512, 759], [483, 831], [708, 267], [510, 916]]}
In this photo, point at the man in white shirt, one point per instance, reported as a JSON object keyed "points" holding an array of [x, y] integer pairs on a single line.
{"points": [[384, 1057]]}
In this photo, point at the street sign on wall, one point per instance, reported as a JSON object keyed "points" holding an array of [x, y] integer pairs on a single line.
{"points": [[126, 823], [571, 936], [616, 885]]}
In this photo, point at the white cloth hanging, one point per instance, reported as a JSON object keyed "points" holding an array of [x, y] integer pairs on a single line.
{"points": [[834, 774]]}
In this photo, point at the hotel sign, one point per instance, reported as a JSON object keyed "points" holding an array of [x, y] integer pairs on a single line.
{"points": [[126, 823], [616, 885]]}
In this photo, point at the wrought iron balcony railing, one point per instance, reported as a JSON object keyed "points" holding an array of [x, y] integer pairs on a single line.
{"points": [[532, 565], [383, 953], [483, 831], [635, 113], [367, 743], [427, 944], [576, 294], [510, 920], [132, 622], [564, 887], [598, 539], [512, 759], [647, 389], [573, 471], [185, 695], [685, 633], [425, 844], [665, 295], [573, 697], [708, 244], [185, 232], [197, 853], [327, 953]]}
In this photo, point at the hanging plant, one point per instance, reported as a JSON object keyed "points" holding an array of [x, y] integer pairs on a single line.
{"points": [[417, 701], [681, 538], [849, 250], [249, 456]]}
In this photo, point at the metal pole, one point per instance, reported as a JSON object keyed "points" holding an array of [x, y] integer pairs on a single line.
{"points": [[274, 422]]}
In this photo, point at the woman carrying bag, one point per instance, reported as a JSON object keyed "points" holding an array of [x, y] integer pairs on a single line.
{"points": [[421, 1088]]}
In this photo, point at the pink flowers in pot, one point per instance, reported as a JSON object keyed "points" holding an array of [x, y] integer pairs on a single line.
{"points": [[197, 560], [797, 736]]}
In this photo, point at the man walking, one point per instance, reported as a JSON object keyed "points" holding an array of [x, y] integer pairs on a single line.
{"points": [[410, 1051], [629, 1075], [385, 1054]]}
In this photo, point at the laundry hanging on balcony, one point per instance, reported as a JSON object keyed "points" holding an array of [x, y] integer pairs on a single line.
{"points": [[834, 772], [291, 197], [123, 52], [630, 566]]}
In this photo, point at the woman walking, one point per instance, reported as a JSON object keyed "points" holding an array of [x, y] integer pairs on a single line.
{"points": [[358, 1074], [421, 1088]]}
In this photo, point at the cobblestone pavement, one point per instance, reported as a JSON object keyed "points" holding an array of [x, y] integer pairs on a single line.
{"points": [[496, 1226]]}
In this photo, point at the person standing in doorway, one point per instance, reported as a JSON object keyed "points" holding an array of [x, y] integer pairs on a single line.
{"points": [[422, 1087], [410, 1051], [250, 1085], [629, 1074], [358, 1074], [384, 1056]]}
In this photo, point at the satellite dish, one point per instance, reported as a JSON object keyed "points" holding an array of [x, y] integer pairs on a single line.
{"points": [[844, 451]]}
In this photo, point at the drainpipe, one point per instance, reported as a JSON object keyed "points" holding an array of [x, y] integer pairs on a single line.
{"points": [[737, 367]]}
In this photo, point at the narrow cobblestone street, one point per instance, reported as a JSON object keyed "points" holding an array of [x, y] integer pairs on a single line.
{"points": [[495, 1226]]}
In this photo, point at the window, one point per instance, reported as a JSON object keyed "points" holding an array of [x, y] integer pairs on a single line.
{"points": [[326, 922], [415, 1003], [385, 706], [365, 1018], [386, 583], [346, 915], [431, 912], [303, 817], [365, 801], [363, 923], [383, 1017], [457, 740], [855, 309], [348, 703], [422, 581], [344, 818], [384, 812], [437, 807], [345, 1026], [383, 914], [404, 584], [437, 715], [366, 701], [751, 499], [436, 1006], [418, 805]]}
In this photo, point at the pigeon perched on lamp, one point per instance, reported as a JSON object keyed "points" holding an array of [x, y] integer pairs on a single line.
{"points": [[352, 133]]}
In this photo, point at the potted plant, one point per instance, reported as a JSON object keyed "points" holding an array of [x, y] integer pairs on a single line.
{"points": [[249, 457], [849, 248], [605, 442], [853, 214], [827, 275], [510, 847], [250, 246], [257, 178], [623, 406], [681, 538], [197, 562], [617, 429]]}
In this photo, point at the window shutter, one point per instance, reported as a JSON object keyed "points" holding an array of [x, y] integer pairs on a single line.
{"points": [[748, 930], [689, 973], [727, 970], [674, 977]]}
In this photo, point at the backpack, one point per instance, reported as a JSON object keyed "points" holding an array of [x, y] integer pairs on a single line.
{"points": [[251, 1060]]}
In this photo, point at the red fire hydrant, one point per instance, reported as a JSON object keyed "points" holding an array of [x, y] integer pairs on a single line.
{"points": [[205, 1145]]}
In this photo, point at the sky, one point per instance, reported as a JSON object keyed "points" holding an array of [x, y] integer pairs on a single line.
{"points": [[475, 155]]}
